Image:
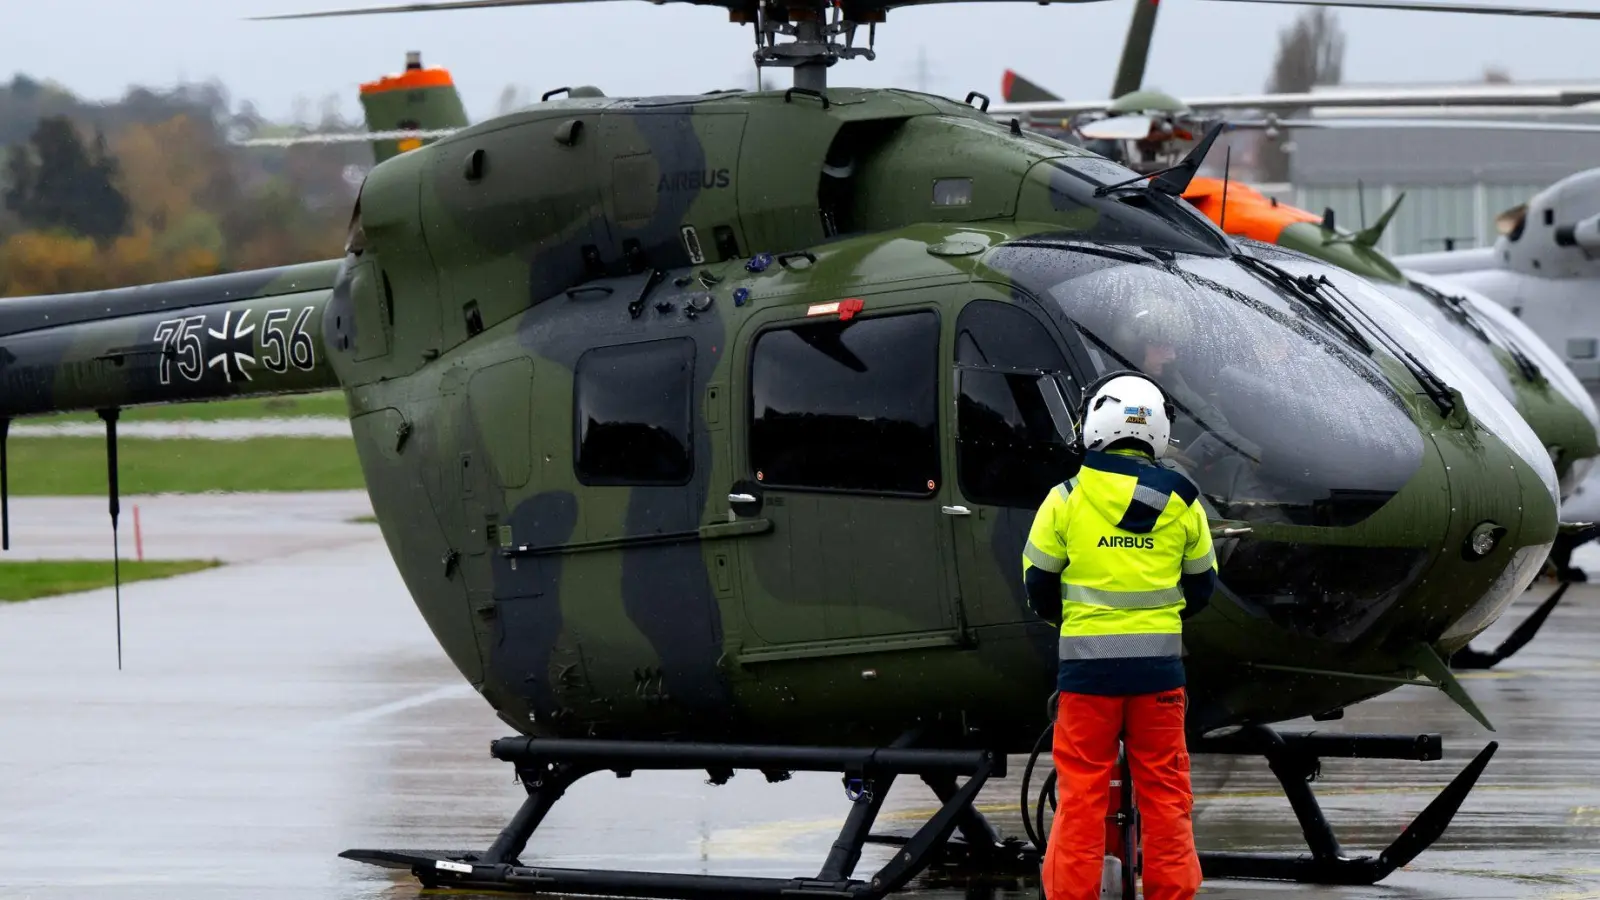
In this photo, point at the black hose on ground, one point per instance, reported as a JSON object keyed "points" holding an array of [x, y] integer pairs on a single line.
{"points": [[1033, 823]]}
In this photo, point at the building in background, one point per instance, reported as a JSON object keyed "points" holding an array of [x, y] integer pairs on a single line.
{"points": [[1455, 181]]}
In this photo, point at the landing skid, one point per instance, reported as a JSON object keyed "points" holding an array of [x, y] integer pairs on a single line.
{"points": [[547, 767], [1468, 658], [1568, 540], [1296, 760]]}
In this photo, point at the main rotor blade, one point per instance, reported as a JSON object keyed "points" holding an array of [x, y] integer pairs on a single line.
{"points": [[1132, 127], [413, 8], [1450, 6], [1447, 124], [1506, 95], [359, 137], [1415, 5]]}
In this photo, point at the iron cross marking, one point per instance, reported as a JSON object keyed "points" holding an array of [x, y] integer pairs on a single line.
{"points": [[233, 349]]}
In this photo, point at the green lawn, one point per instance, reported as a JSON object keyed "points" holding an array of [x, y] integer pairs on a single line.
{"points": [[46, 577], [326, 403], [58, 466]]}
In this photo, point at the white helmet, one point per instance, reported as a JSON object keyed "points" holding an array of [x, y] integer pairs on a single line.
{"points": [[1127, 406]]}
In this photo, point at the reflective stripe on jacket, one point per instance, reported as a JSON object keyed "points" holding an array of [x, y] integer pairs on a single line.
{"points": [[1121, 533]]}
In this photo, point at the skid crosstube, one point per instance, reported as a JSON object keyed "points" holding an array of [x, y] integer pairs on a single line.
{"points": [[1295, 759], [547, 767]]}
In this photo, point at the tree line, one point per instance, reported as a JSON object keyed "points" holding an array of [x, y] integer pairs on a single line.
{"points": [[150, 188]]}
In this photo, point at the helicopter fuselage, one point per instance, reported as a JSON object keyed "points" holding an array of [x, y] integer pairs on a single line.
{"points": [[644, 478], [648, 488]]}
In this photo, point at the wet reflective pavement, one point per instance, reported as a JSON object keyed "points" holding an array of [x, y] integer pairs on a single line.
{"points": [[291, 705]]}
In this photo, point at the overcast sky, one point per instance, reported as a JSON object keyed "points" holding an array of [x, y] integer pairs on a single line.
{"points": [[98, 47]]}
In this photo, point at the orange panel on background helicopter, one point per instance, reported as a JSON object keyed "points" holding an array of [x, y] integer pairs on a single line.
{"points": [[1251, 213]]}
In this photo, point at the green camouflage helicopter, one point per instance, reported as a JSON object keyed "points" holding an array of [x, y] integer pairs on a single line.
{"points": [[418, 105], [700, 426]]}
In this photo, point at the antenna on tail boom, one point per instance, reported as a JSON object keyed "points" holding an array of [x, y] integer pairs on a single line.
{"points": [[1227, 167], [5, 487], [110, 416]]}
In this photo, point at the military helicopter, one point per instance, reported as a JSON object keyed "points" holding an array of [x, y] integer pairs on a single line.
{"points": [[1468, 322], [701, 425]]}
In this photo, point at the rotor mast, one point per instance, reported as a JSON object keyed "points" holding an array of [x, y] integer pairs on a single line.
{"points": [[823, 32]]}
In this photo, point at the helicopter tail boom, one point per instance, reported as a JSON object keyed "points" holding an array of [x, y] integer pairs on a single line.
{"points": [[221, 336]]}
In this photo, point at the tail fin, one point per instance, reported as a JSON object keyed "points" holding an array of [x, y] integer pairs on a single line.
{"points": [[417, 99], [1369, 237], [1016, 89], [1136, 50]]}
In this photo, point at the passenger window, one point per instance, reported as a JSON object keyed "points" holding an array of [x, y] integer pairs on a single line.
{"points": [[1013, 423], [848, 406], [631, 413]]}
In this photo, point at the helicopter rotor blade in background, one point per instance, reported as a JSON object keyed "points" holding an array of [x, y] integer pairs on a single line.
{"points": [[1386, 122], [1132, 127], [359, 137], [1451, 6], [1136, 49]]}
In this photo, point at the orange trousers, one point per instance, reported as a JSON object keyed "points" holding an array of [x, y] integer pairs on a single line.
{"points": [[1087, 728]]}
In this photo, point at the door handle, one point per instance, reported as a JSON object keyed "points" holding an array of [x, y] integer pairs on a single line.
{"points": [[955, 510], [741, 498]]}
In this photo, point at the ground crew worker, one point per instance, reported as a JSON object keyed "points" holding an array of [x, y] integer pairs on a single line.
{"points": [[1121, 554]]}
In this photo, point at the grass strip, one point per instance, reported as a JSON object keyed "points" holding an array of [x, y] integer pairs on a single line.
{"points": [[34, 578], [63, 466], [323, 403]]}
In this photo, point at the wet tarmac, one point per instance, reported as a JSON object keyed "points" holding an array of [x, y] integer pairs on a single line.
{"points": [[290, 705], [253, 527]]}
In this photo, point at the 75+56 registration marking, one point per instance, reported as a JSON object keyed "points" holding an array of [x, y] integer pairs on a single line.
{"points": [[191, 348]]}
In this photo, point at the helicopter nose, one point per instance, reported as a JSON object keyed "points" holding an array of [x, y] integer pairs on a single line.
{"points": [[1434, 563], [1503, 521]]}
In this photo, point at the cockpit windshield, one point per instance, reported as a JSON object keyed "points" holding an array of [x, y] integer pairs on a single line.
{"points": [[1487, 405], [1517, 332], [1454, 330], [1281, 418]]}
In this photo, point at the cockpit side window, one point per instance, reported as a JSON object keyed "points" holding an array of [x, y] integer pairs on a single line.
{"points": [[632, 414], [847, 406], [1014, 395]]}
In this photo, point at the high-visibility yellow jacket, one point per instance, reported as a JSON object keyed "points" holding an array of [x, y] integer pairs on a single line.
{"points": [[1126, 548]]}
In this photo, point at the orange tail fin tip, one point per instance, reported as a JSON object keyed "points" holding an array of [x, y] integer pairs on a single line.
{"points": [[414, 77]]}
